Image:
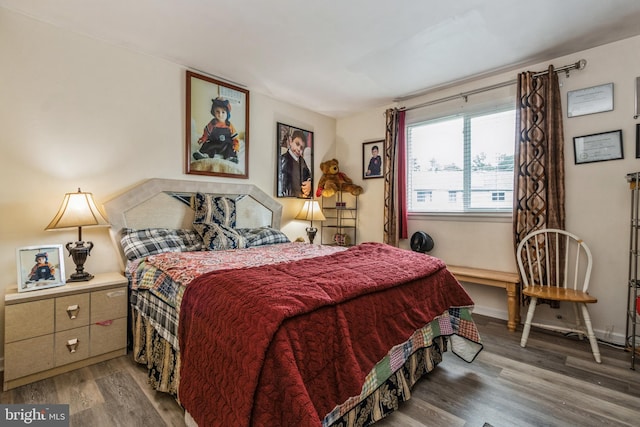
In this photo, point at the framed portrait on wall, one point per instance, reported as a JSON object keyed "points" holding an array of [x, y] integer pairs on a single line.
{"points": [[40, 267], [372, 159], [295, 162], [217, 128]]}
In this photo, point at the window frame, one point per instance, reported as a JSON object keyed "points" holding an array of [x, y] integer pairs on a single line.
{"points": [[468, 212]]}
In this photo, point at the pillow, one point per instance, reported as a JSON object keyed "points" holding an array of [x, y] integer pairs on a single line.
{"points": [[263, 236], [151, 241], [210, 208], [218, 237]]}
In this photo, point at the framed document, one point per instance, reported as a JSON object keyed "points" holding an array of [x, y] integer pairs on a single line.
{"points": [[637, 140], [598, 147], [635, 116], [596, 99]]}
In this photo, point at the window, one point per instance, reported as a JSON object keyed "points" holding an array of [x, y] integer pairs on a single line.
{"points": [[497, 196], [463, 162], [423, 196]]}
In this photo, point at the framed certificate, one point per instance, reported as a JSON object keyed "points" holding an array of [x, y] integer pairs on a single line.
{"points": [[637, 140], [598, 147], [635, 116], [596, 99]]}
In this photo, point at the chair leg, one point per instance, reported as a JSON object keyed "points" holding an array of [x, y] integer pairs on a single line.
{"points": [[592, 337], [527, 323], [579, 325]]}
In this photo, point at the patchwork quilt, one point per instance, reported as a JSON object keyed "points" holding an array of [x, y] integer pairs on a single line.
{"points": [[289, 343]]}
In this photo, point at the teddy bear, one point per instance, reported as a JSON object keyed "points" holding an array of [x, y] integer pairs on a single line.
{"points": [[333, 180]]}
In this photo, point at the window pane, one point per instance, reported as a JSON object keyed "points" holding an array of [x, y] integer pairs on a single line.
{"points": [[435, 162], [462, 163], [492, 140]]}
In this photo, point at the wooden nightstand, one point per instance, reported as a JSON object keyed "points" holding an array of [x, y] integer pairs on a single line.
{"points": [[60, 329]]}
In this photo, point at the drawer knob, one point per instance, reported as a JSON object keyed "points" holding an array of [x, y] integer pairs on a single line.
{"points": [[72, 345], [72, 311]]}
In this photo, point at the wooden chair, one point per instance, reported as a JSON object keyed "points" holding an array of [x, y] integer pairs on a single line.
{"points": [[556, 265]]}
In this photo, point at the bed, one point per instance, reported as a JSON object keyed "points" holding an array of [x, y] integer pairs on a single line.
{"points": [[244, 327]]}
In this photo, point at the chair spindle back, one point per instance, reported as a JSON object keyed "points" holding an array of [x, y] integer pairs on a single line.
{"points": [[553, 257]]}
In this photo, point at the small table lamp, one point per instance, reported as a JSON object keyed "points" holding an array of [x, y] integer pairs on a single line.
{"points": [[311, 212], [78, 210]]}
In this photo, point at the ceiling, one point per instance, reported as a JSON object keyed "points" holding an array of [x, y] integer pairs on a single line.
{"points": [[340, 57]]}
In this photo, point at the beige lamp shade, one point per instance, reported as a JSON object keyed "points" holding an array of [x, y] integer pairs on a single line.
{"points": [[311, 211], [77, 210]]}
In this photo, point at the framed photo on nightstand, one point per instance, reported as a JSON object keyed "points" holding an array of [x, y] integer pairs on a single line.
{"points": [[40, 267]]}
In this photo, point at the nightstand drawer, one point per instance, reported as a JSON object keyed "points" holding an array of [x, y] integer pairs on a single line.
{"points": [[71, 345], [54, 330], [109, 304], [28, 356], [108, 337], [28, 320], [72, 312]]}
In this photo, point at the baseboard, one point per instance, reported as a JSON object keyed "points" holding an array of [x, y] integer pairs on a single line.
{"points": [[601, 334], [491, 312], [617, 339]]}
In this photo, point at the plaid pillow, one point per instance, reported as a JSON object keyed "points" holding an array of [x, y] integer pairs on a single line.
{"points": [[218, 237], [151, 241], [210, 208], [263, 236]]}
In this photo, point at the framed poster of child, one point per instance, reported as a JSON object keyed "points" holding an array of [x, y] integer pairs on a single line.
{"points": [[217, 122], [295, 162]]}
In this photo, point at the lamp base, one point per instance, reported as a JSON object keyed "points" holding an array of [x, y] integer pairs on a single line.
{"points": [[79, 254], [84, 277], [311, 233]]}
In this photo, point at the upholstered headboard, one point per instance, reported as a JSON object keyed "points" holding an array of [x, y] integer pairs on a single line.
{"points": [[165, 203]]}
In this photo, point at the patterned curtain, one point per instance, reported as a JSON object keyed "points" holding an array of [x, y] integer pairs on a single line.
{"points": [[539, 156], [390, 235], [395, 178], [395, 207], [401, 176]]}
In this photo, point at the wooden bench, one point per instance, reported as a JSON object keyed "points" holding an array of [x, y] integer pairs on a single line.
{"points": [[508, 281]]}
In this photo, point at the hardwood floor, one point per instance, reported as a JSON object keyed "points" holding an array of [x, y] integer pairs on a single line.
{"points": [[112, 393], [552, 382]]}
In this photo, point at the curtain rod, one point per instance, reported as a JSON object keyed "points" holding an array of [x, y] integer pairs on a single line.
{"points": [[575, 66]]}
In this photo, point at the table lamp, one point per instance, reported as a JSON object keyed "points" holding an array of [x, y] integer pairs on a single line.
{"points": [[78, 210], [311, 212]]}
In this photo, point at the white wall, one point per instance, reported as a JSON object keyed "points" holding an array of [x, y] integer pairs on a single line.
{"points": [[77, 112], [597, 202]]}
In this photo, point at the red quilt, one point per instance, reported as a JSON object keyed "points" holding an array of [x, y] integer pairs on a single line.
{"points": [[283, 344]]}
